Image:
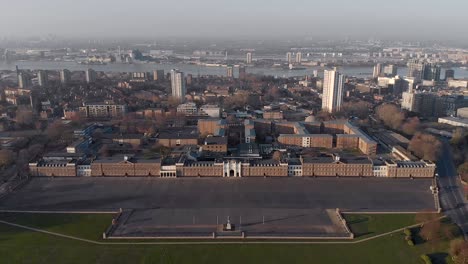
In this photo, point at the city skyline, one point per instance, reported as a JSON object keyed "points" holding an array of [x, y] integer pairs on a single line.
{"points": [[210, 18]]}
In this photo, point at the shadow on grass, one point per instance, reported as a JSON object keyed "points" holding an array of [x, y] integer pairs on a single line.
{"points": [[359, 226], [439, 257], [417, 238], [358, 220]]}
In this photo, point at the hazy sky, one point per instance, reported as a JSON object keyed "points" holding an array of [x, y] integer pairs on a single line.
{"points": [[428, 19]]}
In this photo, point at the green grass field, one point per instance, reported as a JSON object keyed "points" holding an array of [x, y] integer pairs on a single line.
{"points": [[22, 246], [367, 225]]}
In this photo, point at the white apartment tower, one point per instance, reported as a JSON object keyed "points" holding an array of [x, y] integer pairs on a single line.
{"points": [[299, 57], [42, 78], [65, 76], [178, 84], [230, 71], [289, 57], [378, 70], [91, 76], [333, 85], [249, 58]]}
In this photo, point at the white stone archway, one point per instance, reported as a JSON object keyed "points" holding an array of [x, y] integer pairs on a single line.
{"points": [[232, 168]]}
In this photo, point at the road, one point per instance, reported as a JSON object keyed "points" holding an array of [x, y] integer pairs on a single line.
{"points": [[451, 190]]}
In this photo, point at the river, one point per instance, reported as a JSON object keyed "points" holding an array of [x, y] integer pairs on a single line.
{"points": [[196, 69]]}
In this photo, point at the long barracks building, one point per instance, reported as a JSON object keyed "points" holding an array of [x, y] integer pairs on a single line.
{"points": [[188, 166]]}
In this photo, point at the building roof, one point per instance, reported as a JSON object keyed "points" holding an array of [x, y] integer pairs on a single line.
{"points": [[459, 120], [294, 161], [126, 136], [347, 136], [216, 141], [128, 158], [179, 134]]}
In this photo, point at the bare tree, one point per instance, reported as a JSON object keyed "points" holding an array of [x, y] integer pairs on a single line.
{"points": [[7, 157], [173, 101], [104, 151], [425, 146], [391, 115], [459, 251], [459, 136], [359, 109], [431, 227], [463, 170], [24, 115], [55, 130], [323, 116], [411, 126], [276, 156]]}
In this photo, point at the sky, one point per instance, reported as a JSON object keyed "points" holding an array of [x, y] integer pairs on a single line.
{"points": [[399, 19]]}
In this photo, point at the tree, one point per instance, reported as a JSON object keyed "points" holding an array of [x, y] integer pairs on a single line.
{"points": [[323, 116], [459, 137], [104, 151], [459, 251], [173, 101], [359, 109], [7, 157], [391, 115], [276, 156], [431, 227], [426, 259], [411, 126], [160, 121], [55, 130], [425, 146], [274, 93], [162, 150], [463, 170], [24, 116]]}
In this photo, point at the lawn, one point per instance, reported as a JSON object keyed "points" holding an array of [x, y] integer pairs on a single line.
{"points": [[23, 246], [366, 225]]}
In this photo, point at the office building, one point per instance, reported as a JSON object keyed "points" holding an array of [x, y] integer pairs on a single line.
{"points": [[299, 57], [416, 69], [211, 110], [431, 105], [103, 110], [42, 78], [65, 76], [249, 58], [242, 73], [289, 57], [390, 70], [432, 72], [449, 74], [378, 69], [187, 108], [178, 84], [24, 80], [158, 75], [426, 104], [333, 85], [91, 76], [140, 77], [230, 71], [189, 79]]}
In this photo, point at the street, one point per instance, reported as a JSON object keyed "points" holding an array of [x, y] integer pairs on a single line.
{"points": [[451, 190]]}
